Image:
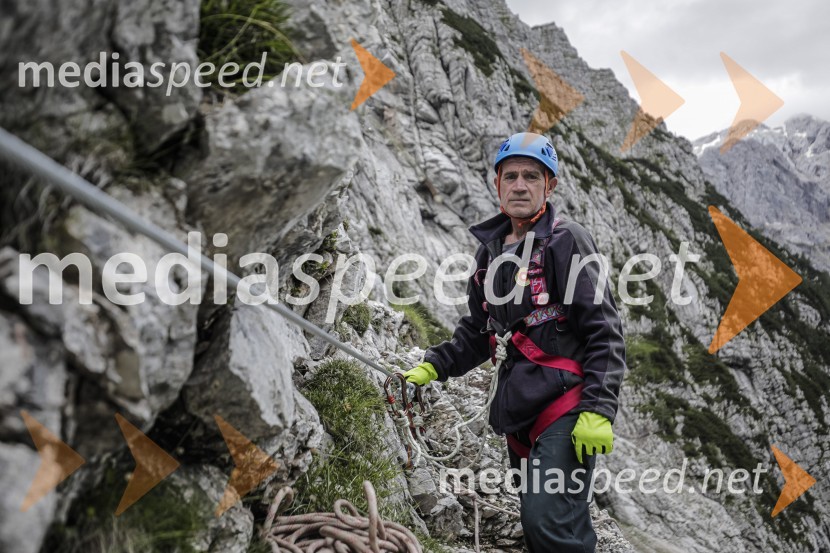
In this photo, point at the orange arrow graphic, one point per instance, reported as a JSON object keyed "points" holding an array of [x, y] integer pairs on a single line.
{"points": [[377, 74], [657, 101], [152, 464], [556, 97], [762, 279], [252, 466], [57, 461], [796, 481], [757, 102]]}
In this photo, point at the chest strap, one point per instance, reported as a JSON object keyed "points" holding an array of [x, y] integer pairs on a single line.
{"points": [[534, 353], [534, 276]]}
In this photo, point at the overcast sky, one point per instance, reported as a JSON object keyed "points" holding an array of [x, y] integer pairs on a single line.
{"points": [[785, 45]]}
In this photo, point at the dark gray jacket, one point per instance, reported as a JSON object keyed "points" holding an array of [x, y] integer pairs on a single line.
{"points": [[592, 334]]}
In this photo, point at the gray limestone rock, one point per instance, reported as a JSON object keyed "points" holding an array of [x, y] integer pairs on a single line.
{"points": [[779, 178]]}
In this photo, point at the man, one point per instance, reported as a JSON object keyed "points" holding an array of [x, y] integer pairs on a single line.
{"points": [[558, 385]]}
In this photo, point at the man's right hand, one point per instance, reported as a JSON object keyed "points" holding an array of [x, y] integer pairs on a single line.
{"points": [[421, 375]]}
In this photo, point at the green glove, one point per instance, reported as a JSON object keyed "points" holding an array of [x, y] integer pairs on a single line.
{"points": [[592, 434], [422, 374]]}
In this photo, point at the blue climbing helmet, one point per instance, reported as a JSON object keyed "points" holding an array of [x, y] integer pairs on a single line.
{"points": [[530, 145]]}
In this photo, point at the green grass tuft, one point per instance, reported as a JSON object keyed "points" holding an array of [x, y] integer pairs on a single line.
{"points": [[163, 520], [351, 409], [240, 31], [426, 329], [359, 317]]}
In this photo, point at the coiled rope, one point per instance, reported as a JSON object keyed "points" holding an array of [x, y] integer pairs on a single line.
{"points": [[342, 531]]}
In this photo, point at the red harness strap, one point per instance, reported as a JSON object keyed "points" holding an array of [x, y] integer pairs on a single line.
{"points": [[535, 354], [560, 405], [551, 414]]}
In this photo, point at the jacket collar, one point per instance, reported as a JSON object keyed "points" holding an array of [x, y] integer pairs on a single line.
{"points": [[499, 226]]}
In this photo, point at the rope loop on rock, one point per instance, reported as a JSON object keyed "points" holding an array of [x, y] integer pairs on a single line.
{"points": [[344, 530]]}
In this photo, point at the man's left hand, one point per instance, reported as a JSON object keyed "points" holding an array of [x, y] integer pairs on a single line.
{"points": [[592, 434]]}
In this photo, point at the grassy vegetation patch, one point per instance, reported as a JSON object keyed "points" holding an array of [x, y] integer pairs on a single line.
{"points": [[240, 31], [705, 367], [522, 89], [699, 424], [813, 383], [351, 409], [426, 330], [163, 520], [376, 232], [330, 242], [656, 310], [475, 39], [706, 434], [652, 360]]}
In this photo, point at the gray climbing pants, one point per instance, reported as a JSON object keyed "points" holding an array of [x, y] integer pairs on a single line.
{"points": [[553, 519]]}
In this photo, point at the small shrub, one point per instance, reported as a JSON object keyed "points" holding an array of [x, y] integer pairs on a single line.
{"points": [[376, 232]]}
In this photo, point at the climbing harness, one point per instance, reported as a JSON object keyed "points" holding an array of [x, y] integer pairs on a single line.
{"points": [[500, 337], [544, 312], [342, 531]]}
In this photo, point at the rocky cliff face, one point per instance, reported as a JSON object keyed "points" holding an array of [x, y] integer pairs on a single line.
{"points": [[780, 180], [287, 171]]}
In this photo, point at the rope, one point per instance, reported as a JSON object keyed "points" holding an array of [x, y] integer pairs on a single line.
{"points": [[416, 444], [36, 162], [342, 531], [477, 517]]}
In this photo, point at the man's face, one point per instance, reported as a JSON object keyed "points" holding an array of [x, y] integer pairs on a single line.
{"points": [[523, 186]]}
